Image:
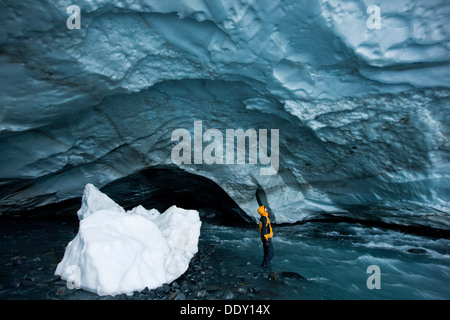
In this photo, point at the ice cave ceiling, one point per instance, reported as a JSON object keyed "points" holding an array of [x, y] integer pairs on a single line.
{"points": [[362, 112]]}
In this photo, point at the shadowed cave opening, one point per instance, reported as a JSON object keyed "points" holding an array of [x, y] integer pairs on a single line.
{"points": [[164, 186], [158, 188]]}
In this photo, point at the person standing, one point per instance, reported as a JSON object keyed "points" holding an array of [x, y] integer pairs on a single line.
{"points": [[266, 232]]}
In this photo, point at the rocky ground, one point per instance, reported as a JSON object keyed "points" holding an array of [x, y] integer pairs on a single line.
{"points": [[31, 250]]}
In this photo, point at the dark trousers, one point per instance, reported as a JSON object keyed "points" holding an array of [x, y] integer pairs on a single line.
{"points": [[268, 252]]}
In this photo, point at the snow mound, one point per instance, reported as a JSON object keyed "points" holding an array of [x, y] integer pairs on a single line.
{"points": [[118, 251], [93, 200]]}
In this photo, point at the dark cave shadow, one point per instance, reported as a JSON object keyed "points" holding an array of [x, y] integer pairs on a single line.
{"points": [[164, 186]]}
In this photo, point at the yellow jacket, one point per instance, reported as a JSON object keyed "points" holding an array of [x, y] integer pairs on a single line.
{"points": [[265, 228]]}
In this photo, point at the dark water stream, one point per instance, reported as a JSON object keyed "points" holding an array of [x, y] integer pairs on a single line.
{"points": [[333, 257]]}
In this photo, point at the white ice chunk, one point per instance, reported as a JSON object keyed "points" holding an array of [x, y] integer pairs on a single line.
{"points": [[93, 200], [119, 252]]}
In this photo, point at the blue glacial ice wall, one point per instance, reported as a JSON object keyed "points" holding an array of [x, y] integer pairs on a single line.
{"points": [[362, 108]]}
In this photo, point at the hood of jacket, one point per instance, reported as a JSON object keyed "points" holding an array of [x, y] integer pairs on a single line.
{"points": [[262, 212]]}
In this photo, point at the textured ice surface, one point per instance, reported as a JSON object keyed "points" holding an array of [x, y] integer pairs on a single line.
{"points": [[118, 252], [362, 113]]}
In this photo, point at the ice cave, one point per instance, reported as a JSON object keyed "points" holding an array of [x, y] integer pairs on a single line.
{"points": [[334, 114]]}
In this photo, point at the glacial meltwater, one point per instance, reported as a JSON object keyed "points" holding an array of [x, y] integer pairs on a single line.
{"points": [[333, 257]]}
